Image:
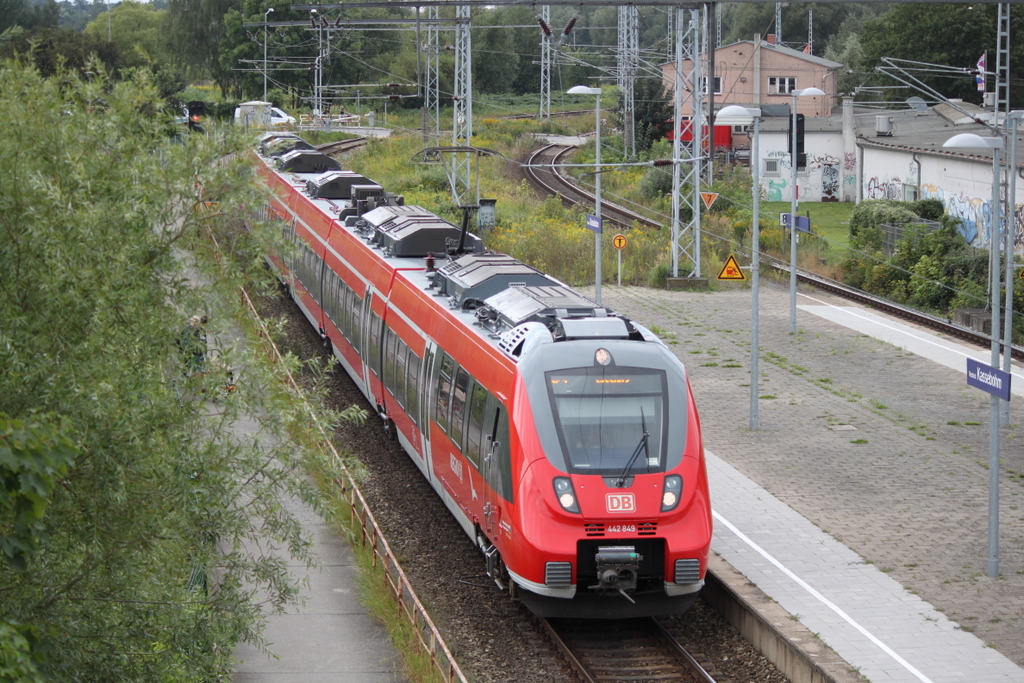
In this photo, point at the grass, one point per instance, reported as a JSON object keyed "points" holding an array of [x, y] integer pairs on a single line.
{"points": [[829, 221]]}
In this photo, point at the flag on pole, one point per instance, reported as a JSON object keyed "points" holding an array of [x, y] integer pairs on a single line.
{"points": [[979, 76]]}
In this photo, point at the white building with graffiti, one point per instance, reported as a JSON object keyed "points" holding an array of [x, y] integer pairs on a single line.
{"points": [[863, 153], [900, 156]]}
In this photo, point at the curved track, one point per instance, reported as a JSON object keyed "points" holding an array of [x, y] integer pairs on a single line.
{"points": [[540, 172], [553, 182], [624, 650], [341, 146]]}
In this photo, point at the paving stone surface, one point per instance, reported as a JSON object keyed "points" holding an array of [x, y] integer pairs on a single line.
{"points": [[883, 449]]}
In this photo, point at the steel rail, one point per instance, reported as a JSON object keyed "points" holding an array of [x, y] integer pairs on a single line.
{"points": [[643, 641]]}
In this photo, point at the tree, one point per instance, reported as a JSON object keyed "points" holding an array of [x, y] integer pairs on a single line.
{"points": [[138, 569], [950, 35], [136, 27], [652, 109]]}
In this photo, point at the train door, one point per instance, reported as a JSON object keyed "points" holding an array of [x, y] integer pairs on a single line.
{"points": [[426, 383], [496, 466]]}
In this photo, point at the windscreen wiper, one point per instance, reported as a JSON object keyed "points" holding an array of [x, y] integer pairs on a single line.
{"points": [[642, 446]]}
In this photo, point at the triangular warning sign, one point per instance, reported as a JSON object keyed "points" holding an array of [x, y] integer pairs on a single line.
{"points": [[709, 198], [731, 270]]}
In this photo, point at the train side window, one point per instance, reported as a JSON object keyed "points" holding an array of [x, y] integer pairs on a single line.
{"points": [[401, 353], [389, 359], [444, 390], [373, 342], [459, 406], [475, 423], [413, 387]]}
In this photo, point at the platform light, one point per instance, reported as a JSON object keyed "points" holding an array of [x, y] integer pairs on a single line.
{"points": [[974, 141], [584, 90]]}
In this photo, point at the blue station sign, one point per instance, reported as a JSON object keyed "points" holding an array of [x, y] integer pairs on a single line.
{"points": [[988, 378], [594, 223]]}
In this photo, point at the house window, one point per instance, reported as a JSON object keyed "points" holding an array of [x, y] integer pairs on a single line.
{"points": [[718, 84], [781, 85], [771, 167]]}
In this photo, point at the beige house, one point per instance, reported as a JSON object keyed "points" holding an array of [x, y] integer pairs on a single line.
{"points": [[760, 73]]}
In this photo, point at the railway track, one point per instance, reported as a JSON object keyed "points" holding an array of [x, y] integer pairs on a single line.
{"points": [[542, 175], [633, 650], [553, 182], [341, 146]]}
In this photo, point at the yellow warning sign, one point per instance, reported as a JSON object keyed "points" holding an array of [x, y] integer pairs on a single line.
{"points": [[620, 241], [709, 198], [731, 270]]}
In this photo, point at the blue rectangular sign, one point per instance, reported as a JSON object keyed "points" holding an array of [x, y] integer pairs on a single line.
{"points": [[988, 378], [594, 223], [803, 223]]}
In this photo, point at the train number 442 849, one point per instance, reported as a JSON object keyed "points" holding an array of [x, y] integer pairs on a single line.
{"points": [[621, 529]]}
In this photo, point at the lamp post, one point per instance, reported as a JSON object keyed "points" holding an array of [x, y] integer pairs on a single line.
{"points": [[1011, 229], [972, 141], [265, 34], [806, 92], [735, 115], [584, 90]]}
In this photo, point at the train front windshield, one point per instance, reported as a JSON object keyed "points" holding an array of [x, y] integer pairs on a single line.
{"points": [[610, 418]]}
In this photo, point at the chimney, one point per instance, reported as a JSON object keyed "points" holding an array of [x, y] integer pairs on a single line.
{"points": [[770, 38]]}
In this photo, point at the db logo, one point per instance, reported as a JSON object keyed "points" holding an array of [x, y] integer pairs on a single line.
{"points": [[620, 502]]}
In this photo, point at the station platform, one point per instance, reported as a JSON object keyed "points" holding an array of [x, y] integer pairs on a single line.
{"points": [[860, 503]]}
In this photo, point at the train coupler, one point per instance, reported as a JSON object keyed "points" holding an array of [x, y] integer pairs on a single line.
{"points": [[617, 570]]}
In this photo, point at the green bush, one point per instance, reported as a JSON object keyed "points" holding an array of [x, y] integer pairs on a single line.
{"points": [[930, 209], [872, 213]]}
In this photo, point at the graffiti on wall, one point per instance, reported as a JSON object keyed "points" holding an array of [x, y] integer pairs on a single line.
{"points": [[849, 168], [775, 188], [883, 188], [830, 183], [972, 212]]}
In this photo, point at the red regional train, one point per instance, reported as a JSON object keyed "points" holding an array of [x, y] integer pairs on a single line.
{"points": [[563, 437]]}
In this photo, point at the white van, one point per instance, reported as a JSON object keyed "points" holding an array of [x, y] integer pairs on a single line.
{"points": [[262, 115]]}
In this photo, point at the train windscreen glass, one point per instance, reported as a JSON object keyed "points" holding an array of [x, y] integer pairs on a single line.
{"points": [[610, 418]]}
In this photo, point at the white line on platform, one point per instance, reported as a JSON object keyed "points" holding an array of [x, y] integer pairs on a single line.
{"points": [[821, 598]]}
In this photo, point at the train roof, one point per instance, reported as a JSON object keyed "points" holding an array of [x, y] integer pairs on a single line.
{"points": [[499, 298]]}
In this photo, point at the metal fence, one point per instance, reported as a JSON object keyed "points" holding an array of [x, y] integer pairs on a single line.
{"points": [[894, 234]]}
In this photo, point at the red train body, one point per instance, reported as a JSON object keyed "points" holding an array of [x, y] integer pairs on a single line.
{"points": [[562, 437]]}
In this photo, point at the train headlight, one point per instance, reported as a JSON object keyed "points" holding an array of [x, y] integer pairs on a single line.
{"points": [[671, 493], [565, 494], [602, 357]]}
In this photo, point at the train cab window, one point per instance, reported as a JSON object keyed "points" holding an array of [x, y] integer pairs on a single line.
{"points": [[459, 406], [606, 415], [400, 358], [413, 386], [475, 423], [444, 390]]}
